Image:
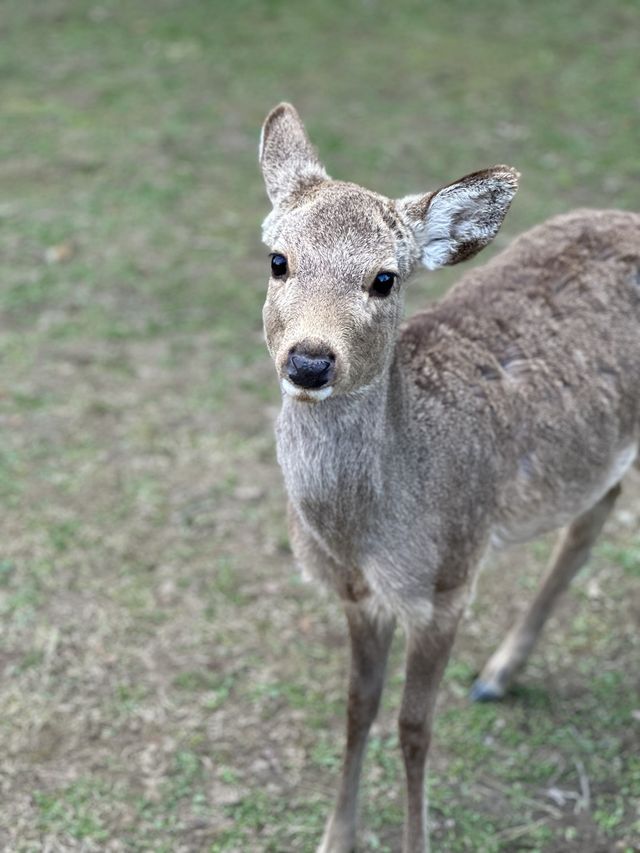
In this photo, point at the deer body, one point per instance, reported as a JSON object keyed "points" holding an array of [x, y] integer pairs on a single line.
{"points": [[481, 426], [508, 409]]}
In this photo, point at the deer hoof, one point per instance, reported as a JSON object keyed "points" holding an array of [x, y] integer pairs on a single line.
{"points": [[486, 691]]}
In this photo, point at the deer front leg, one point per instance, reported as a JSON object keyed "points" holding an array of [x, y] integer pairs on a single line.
{"points": [[428, 651], [370, 642]]}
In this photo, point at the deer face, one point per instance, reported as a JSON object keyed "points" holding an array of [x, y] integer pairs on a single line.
{"points": [[334, 302], [340, 255]]}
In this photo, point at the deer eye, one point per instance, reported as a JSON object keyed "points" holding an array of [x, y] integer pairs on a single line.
{"points": [[382, 283], [278, 265]]}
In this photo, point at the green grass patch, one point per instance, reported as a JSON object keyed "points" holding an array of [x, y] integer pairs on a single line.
{"points": [[72, 811]]}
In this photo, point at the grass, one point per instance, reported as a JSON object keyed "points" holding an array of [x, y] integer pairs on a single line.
{"points": [[168, 682]]}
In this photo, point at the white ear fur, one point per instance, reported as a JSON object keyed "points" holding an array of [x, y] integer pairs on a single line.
{"points": [[288, 159], [457, 221]]}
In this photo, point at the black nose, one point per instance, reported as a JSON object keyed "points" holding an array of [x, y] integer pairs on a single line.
{"points": [[310, 371]]}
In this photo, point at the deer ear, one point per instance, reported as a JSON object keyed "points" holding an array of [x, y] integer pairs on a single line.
{"points": [[455, 222], [288, 160]]}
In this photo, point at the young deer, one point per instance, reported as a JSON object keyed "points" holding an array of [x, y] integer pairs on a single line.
{"points": [[508, 409]]}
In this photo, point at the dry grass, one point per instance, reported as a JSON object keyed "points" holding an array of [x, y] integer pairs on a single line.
{"points": [[168, 683]]}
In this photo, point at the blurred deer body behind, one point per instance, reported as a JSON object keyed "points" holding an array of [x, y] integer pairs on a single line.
{"points": [[508, 409]]}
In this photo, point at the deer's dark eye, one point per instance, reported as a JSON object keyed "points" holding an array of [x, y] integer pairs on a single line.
{"points": [[382, 284], [278, 265]]}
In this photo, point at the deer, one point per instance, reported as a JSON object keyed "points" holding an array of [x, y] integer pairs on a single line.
{"points": [[507, 409]]}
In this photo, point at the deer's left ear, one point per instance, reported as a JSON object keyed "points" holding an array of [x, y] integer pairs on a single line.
{"points": [[455, 222]]}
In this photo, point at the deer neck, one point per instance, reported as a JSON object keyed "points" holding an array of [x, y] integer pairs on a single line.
{"points": [[335, 456]]}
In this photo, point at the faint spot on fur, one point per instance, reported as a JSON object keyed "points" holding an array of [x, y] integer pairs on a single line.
{"points": [[390, 219], [488, 372], [608, 372], [513, 361], [563, 282], [516, 367], [525, 466]]}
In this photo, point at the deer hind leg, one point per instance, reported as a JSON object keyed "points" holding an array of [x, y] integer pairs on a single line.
{"points": [[370, 642], [571, 553]]}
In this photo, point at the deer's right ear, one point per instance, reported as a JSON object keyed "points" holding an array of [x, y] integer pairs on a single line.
{"points": [[288, 160]]}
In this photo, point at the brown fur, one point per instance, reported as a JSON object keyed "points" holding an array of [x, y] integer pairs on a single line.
{"points": [[510, 408]]}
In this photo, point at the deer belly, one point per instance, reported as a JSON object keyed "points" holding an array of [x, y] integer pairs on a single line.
{"points": [[534, 505]]}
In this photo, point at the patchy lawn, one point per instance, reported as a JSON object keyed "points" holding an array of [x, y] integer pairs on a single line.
{"points": [[168, 683]]}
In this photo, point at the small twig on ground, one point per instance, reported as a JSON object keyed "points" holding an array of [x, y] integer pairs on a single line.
{"points": [[560, 796], [496, 787], [514, 832], [584, 803]]}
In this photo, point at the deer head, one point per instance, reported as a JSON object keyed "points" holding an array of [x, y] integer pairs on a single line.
{"points": [[341, 255]]}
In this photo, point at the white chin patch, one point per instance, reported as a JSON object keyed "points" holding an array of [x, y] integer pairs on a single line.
{"points": [[306, 394]]}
